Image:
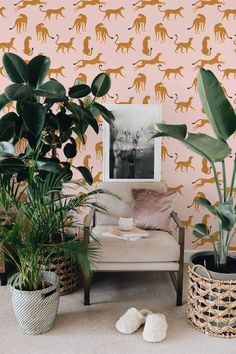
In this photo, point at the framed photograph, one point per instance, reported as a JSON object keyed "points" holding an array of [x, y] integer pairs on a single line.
{"points": [[129, 153]]}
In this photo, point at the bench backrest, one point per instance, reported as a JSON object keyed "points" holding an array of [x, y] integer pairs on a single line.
{"points": [[121, 208]]}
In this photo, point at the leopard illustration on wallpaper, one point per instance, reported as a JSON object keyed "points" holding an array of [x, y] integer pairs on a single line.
{"points": [[152, 49]]}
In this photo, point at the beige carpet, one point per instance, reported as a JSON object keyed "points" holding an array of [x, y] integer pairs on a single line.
{"points": [[90, 330]]}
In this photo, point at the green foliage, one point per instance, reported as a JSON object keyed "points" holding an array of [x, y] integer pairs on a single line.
{"points": [[79, 91], [37, 214], [35, 120], [52, 89], [7, 126], [209, 148], [86, 174], [38, 69], [16, 69], [201, 231], [7, 149], [219, 111], [33, 115], [101, 85], [3, 100], [222, 119], [36, 219]]}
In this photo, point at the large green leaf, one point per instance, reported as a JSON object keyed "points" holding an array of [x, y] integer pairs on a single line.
{"points": [[218, 109], [65, 135], [7, 149], [200, 230], [18, 91], [34, 117], [76, 110], [70, 149], [3, 100], [48, 166], [11, 165], [177, 131], [206, 204], [105, 113], [91, 120], [225, 211], [51, 89], [101, 85], [64, 121], [79, 131], [7, 126], [16, 68], [86, 174], [38, 69], [90, 106], [210, 148], [78, 91]]}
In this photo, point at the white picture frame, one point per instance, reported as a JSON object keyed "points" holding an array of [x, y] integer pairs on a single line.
{"points": [[129, 153]]}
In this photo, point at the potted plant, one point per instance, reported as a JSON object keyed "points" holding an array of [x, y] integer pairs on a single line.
{"points": [[34, 218], [36, 206], [212, 275], [49, 136]]}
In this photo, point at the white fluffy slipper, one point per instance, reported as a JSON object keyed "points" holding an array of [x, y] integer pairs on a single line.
{"points": [[131, 320], [155, 328]]}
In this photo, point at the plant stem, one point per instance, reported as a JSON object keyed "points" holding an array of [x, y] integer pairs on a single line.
{"points": [[223, 251], [233, 178], [224, 180], [217, 181], [54, 154]]}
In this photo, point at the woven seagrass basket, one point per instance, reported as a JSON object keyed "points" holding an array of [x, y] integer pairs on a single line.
{"points": [[68, 273], [211, 304]]}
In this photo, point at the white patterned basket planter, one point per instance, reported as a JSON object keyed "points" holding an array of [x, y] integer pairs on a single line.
{"points": [[36, 311]]}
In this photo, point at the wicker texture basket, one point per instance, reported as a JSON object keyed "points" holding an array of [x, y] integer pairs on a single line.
{"points": [[211, 304], [68, 273]]}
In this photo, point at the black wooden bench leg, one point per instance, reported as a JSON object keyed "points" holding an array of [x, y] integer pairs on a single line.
{"points": [[179, 288], [3, 277], [87, 287]]}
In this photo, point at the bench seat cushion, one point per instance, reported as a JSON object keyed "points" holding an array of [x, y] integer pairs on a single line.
{"points": [[160, 246]]}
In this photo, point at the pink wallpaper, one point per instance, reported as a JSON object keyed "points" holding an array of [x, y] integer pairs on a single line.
{"points": [[152, 50]]}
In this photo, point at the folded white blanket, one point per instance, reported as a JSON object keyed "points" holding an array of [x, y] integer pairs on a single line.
{"points": [[125, 238]]}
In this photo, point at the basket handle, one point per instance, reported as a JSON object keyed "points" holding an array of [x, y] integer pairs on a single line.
{"points": [[44, 295], [203, 268]]}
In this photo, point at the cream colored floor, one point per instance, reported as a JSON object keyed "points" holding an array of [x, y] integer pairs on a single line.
{"points": [[90, 330]]}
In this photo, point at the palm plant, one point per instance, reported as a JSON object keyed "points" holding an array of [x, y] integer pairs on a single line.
{"points": [[27, 238], [222, 119]]}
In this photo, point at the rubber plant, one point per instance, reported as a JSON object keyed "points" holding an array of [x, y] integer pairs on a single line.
{"points": [[216, 149], [49, 138], [35, 122]]}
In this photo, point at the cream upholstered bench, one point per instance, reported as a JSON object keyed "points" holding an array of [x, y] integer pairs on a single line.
{"points": [[159, 252]]}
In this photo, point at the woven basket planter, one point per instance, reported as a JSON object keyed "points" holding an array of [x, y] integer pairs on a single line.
{"points": [[211, 304], [68, 273], [36, 311]]}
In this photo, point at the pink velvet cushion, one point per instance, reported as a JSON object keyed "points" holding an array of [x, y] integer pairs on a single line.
{"points": [[151, 210]]}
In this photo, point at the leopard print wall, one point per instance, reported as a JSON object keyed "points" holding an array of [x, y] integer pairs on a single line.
{"points": [[152, 50]]}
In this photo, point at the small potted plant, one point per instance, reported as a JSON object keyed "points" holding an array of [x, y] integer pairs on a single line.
{"points": [[212, 275], [35, 216]]}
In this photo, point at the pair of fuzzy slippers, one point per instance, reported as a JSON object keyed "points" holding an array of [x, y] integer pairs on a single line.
{"points": [[155, 327]]}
